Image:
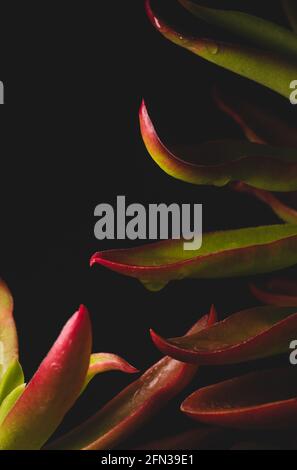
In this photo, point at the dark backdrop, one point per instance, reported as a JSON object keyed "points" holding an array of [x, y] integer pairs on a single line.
{"points": [[74, 78]]}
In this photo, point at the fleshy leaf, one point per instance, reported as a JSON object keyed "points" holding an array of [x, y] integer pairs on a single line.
{"points": [[8, 333], [52, 391], [272, 71], [245, 336], [220, 162], [291, 11], [283, 211], [259, 32], [12, 378], [9, 402], [277, 292], [137, 403], [223, 254], [105, 362], [260, 125], [260, 400]]}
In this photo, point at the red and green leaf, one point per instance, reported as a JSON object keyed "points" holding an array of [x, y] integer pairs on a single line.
{"points": [[53, 389], [106, 362], [8, 333], [274, 71], [260, 400], [222, 255], [219, 163], [245, 336], [137, 403]]}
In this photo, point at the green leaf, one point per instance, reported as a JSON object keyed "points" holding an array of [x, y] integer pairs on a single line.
{"points": [[8, 333], [273, 71], [135, 405], [290, 7], [52, 391], [223, 254], [105, 362], [12, 378], [9, 402], [248, 335], [219, 163], [259, 32]]}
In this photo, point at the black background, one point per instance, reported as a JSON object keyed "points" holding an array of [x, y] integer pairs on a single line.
{"points": [[74, 78]]}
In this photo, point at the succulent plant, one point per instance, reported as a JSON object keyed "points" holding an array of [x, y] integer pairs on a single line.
{"points": [[264, 166]]}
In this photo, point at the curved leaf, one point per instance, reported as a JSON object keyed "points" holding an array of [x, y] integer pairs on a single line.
{"points": [[137, 403], [245, 336], [283, 211], [105, 362], [12, 378], [8, 333], [219, 163], [257, 31], [272, 71], [291, 11], [195, 439], [259, 125], [48, 396], [260, 400], [277, 292], [223, 254]]}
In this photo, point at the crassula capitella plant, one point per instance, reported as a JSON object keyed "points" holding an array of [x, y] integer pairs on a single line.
{"points": [[263, 165]]}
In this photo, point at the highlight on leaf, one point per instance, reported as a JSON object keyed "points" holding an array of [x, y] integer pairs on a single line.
{"points": [[271, 70], [219, 163], [225, 254], [137, 403], [259, 400], [251, 334]]}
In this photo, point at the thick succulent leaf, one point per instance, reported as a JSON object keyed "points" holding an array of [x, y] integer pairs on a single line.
{"points": [[277, 292], [271, 70], [137, 403], [260, 400], [105, 362], [223, 254], [8, 333], [260, 125], [257, 31], [12, 378], [291, 10], [220, 162], [10, 400], [53, 389], [282, 210], [248, 335]]}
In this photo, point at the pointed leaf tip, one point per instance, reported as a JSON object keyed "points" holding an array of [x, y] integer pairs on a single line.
{"points": [[53, 390]]}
